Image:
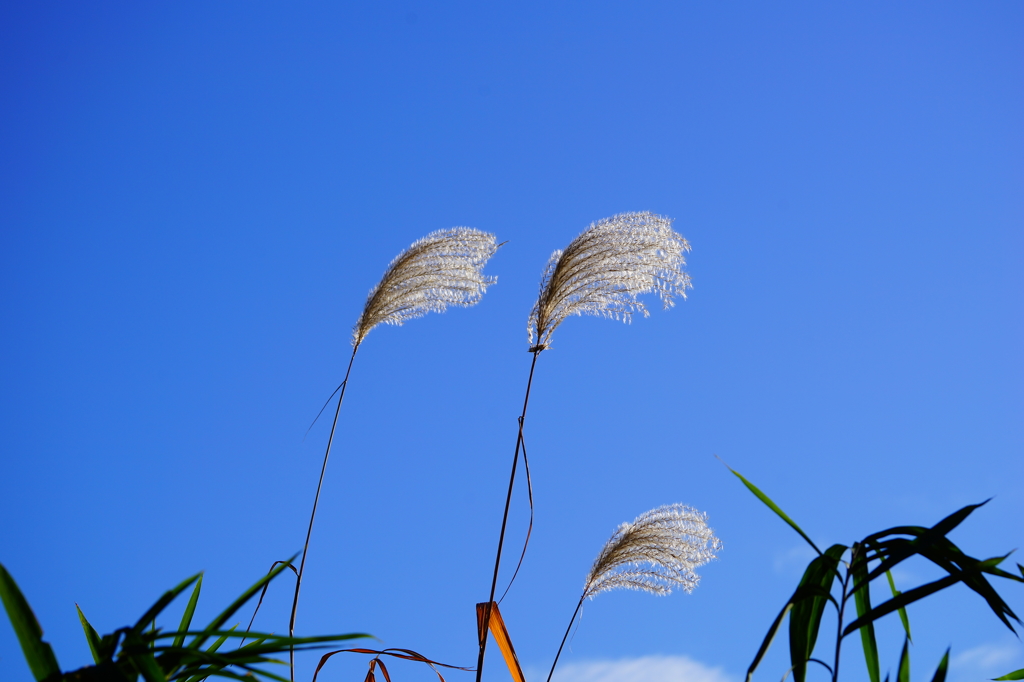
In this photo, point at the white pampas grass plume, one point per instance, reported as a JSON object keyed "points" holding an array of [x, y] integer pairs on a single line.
{"points": [[604, 269], [655, 553], [442, 269]]}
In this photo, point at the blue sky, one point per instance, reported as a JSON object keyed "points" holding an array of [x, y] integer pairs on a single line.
{"points": [[196, 197]]}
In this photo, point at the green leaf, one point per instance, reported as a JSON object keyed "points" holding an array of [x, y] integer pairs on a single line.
{"points": [[940, 672], [141, 656], [1015, 675], [805, 618], [217, 622], [903, 612], [771, 505], [190, 609], [904, 671], [150, 615], [896, 602], [91, 636], [38, 654], [862, 597]]}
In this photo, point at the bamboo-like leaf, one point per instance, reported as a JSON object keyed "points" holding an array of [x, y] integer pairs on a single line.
{"points": [[91, 636], [862, 597], [940, 672], [190, 609], [766, 643], [771, 505], [497, 627], [903, 674], [903, 612], [903, 600], [1015, 675], [805, 618], [38, 654]]}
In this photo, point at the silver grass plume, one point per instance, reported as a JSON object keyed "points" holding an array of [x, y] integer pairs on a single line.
{"points": [[442, 269], [604, 269], [655, 553]]}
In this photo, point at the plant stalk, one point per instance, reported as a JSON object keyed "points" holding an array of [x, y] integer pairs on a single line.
{"points": [[312, 516], [566, 636], [504, 523], [839, 627]]}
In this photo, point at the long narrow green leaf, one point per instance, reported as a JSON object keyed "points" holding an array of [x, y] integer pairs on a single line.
{"points": [[141, 656], [38, 654], [940, 672], [91, 636], [903, 612], [217, 622], [904, 671], [190, 609], [768, 639], [862, 597], [805, 618], [771, 505], [1015, 675], [161, 603], [903, 600]]}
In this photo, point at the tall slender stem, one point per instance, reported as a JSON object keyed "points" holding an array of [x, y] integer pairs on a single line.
{"points": [[566, 635], [504, 522], [316, 499], [839, 627]]}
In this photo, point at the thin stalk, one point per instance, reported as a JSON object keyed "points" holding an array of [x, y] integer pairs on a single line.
{"points": [[504, 522], [316, 499], [839, 627], [566, 636]]}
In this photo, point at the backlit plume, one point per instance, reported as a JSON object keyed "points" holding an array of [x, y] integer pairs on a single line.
{"points": [[655, 553], [604, 269], [442, 269]]}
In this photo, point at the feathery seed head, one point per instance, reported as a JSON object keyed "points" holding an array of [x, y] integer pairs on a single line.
{"points": [[655, 553], [604, 269], [442, 269]]}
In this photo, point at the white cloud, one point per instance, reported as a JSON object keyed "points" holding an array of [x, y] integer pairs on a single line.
{"points": [[989, 659], [643, 669]]}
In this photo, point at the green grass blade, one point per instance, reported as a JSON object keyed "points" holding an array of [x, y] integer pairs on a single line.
{"points": [[141, 656], [38, 654], [904, 671], [862, 597], [940, 672], [771, 505], [903, 612], [1015, 675], [91, 636], [190, 609], [217, 622], [161, 603]]}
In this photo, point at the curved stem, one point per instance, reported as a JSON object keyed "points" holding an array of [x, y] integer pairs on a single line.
{"points": [[504, 522], [316, 499], [566, 636]]}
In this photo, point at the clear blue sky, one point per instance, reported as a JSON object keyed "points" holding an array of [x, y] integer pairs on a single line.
{"points": [[196, 197]]}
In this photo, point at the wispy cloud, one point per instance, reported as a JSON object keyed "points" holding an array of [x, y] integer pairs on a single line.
{"points": [[994, 658], [642, 669]]}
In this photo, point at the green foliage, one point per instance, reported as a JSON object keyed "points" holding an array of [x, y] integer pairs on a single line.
{"points": [[844, 572], [145, 651]]}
